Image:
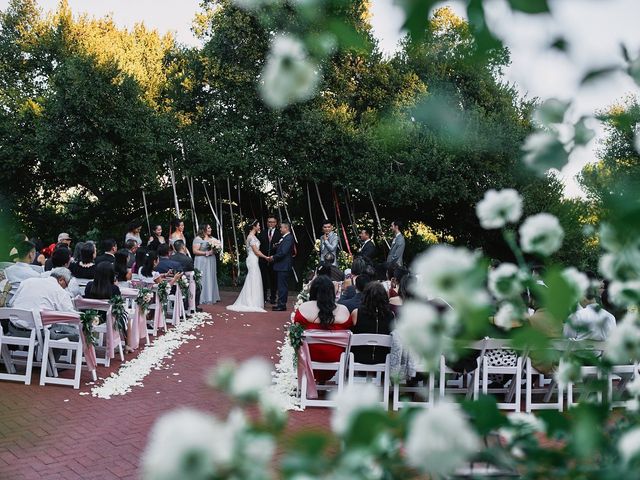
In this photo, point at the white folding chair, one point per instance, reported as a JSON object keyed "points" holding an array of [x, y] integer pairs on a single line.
{"points": [[465, 383], [130, 295], [512, 392], [32, 342], [82, 284], [319, 337], [382, 370], [176, 311], [419, 389], [620, 374], [586, 371], [50, 318], [102, 330], [546, 388]]}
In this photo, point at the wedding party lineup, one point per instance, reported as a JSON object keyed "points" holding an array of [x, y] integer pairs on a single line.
{"points": [[376, 240]]}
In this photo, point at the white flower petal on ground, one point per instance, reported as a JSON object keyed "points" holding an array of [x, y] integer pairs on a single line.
{"points": [[629, 444], [440, 439], [352, 400], [498, 208], [506, 281], [443, 271], [182, 443], [578, 282], [289, 75], [251, 377], [541, 234]]}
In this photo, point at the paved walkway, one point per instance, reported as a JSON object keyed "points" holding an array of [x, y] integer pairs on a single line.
{"points": [[53, 432]]}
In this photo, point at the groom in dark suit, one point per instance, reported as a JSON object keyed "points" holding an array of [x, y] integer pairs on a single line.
{"points": [[269, 237], [282, 263]]}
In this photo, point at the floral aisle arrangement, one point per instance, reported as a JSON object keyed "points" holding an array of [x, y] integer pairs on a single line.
{"points": [[144, 298], [164, 289], [183, 283], [89, 320], [120, 315], [197, 277]]}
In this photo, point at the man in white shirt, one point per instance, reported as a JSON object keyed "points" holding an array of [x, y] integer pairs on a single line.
{"points": [[590, 321], [22, 270], [45, 293]]}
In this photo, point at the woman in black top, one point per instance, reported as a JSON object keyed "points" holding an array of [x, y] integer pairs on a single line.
{"points": [[85, 268], [103, 286], [373, 316], [120, 265]]}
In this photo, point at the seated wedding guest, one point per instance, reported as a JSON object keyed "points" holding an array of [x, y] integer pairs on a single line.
{"points": [[322, 312], [141, 256], [103, 286], [133, 232], [109, 249], [373, 316], [368, 248], [22, 269], [355, 301], [40, 258], [77, 255], [131, 246], [590, 321], [59, 247], [156, 239], [45, 293], [348, 288], [166, 263], [398, 274], [148, 274], [181, 257], [404, 293], [17, 240], [66, 239], [85, 268], [335, 274], [123, 274]]}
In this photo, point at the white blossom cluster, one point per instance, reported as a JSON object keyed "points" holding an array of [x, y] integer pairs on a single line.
{"points": [[621, 265]]}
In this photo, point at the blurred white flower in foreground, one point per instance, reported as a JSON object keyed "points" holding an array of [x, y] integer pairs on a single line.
{"points": [[498, 208], [521, 425], [625, 293], [426, 333], [506, 315], [541, 234], [185, 444], [251, 378], [506, 281], [623, 343], [440, 439], [289, 75], [578, 282], [543, 151], [446, 272], [567, 372], [629, 444], [350, 401]]}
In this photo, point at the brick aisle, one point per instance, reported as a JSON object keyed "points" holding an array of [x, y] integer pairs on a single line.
{"points": [[53, 432]]}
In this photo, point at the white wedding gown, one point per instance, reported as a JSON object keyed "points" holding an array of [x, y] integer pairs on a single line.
{"points": [[251, 297]]}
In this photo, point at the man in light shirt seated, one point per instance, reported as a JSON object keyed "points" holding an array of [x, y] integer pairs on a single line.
{"points": [[22, 270], [45, 293], [590, 321]]}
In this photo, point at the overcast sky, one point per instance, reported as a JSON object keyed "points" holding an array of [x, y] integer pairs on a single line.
{"points": [[594, 29]]}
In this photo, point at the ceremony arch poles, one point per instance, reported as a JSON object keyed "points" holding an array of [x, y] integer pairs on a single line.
{"points": [[233, 225], [375, 210], [194, 215], [175, 192], [146, 210], [324, 212], [313, 224]]}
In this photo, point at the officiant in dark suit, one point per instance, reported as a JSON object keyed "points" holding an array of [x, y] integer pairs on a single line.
{"points": [[269, 237], [368, 248], [282, 264]]}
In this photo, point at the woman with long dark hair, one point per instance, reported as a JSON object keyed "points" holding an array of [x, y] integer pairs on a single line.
{"points": [[373, 316], [156, 239], [85, 268], [103, 286], [322, 312], [120, 264]]}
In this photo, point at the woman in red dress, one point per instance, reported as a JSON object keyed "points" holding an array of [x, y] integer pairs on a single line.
{"points": [[322, 313]]}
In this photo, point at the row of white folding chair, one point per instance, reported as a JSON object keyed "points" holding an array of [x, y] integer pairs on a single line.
{"points": [[101, 330], [382, 370], [37, 349]]}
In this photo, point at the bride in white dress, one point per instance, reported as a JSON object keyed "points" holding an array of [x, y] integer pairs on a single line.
{"points": [[251, 297]]}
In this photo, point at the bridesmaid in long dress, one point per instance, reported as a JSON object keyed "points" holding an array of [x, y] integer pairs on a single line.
{"points": [[205, 261]]}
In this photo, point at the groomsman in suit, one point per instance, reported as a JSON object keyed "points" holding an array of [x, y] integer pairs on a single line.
{"points": [[269, 237], [282, 264], [368, 248], [328, 241], [397, 246]]}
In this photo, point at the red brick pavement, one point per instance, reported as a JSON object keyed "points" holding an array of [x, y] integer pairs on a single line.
{"points": [[52, 432]]}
